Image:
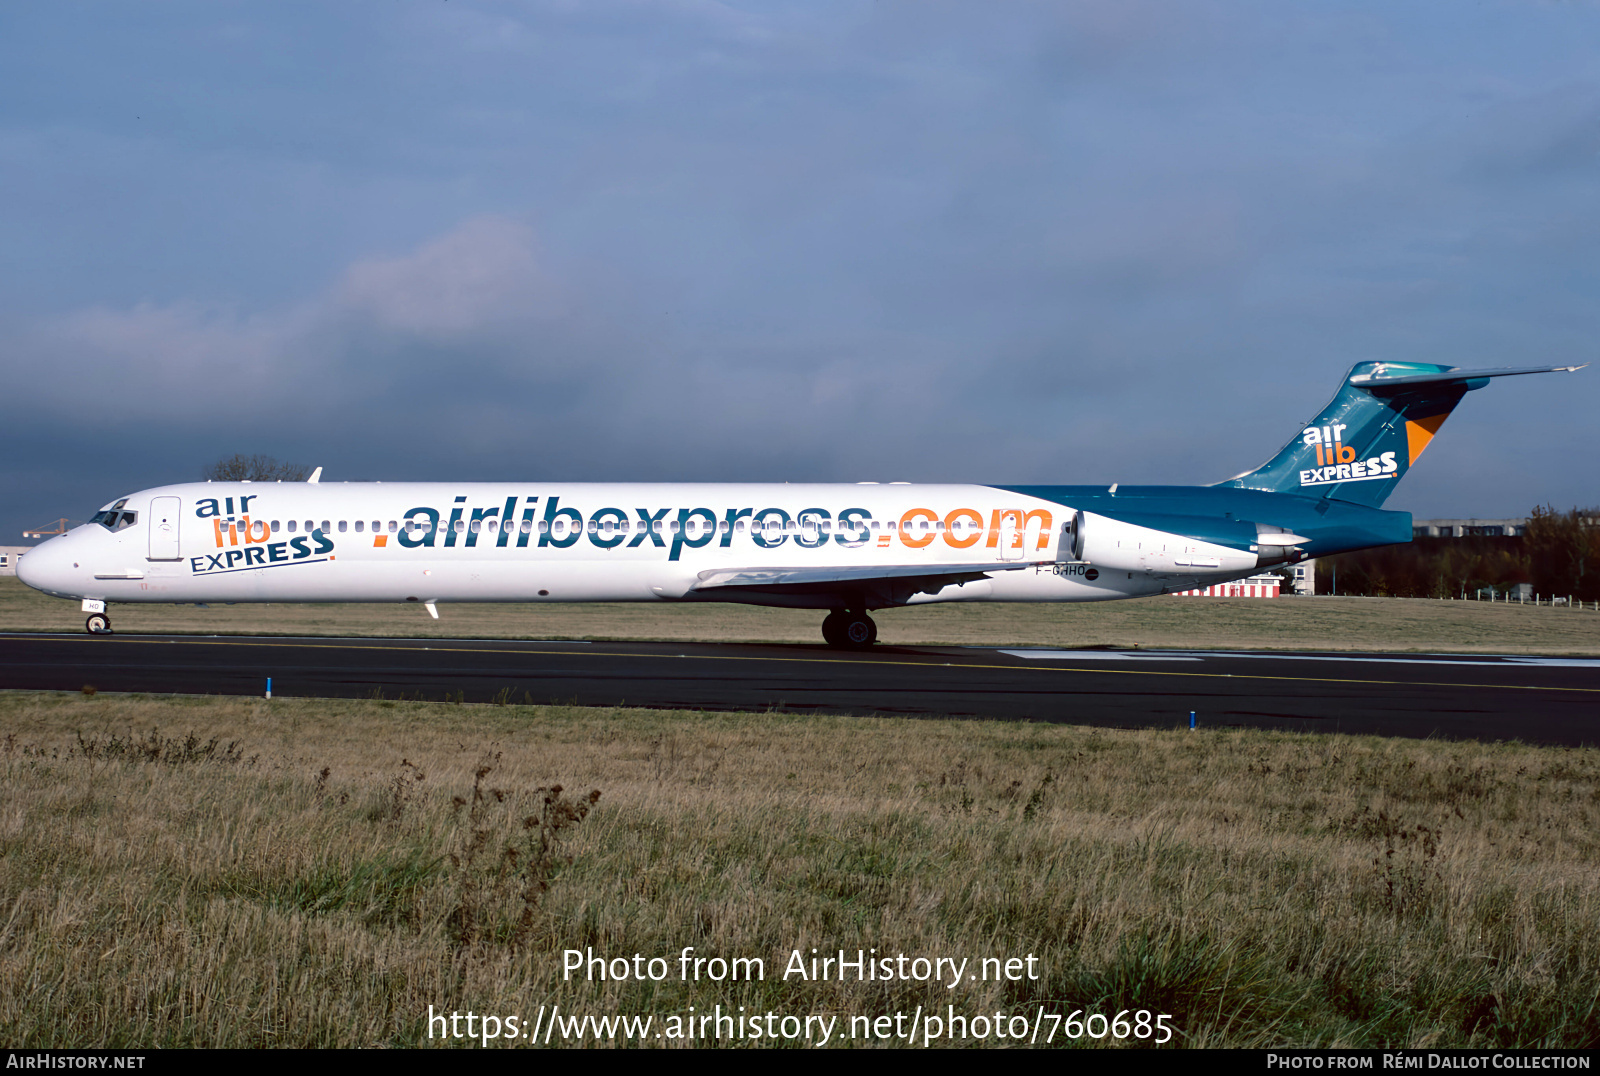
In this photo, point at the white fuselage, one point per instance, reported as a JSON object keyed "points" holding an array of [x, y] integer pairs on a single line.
{"points": [[532, 542]]}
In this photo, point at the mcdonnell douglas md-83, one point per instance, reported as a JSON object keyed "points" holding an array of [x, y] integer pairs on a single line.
{"points": [[848, 549]]}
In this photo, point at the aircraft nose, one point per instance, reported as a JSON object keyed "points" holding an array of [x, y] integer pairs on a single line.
{"points": [[26, 569], [48, 568]]}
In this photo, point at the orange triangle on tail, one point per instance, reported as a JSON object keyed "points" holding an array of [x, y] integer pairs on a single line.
{"points": [[1420, 431]]}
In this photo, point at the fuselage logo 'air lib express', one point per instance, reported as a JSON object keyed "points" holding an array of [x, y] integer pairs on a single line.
{"points": [[847, 549]]}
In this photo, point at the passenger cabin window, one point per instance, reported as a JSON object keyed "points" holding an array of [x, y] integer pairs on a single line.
{"points": [[325, 527], [274, 526], [359, 526], [291, 526], [343, 526]]}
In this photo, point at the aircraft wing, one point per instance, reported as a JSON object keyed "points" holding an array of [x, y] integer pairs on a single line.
{"points": [[854, 573], [874, 585]]}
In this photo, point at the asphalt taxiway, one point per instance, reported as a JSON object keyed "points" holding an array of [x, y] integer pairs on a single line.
{"points": [[1537, 700]]}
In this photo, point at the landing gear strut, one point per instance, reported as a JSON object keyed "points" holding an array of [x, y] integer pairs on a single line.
{"points": [[98, 624], [849, 631]]}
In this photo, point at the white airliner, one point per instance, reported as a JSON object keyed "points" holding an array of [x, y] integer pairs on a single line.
{"points": [[844, 548]]}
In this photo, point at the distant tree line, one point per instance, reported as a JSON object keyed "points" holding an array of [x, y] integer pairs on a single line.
{"points": [[1559, 555], [1564, 552], [242, 468]]}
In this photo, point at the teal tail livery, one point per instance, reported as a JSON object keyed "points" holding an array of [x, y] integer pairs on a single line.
{"points": [[1372, 431], [844, 548]]}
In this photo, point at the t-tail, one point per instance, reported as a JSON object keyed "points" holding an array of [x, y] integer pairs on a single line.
{"points": [[1372, 431]]}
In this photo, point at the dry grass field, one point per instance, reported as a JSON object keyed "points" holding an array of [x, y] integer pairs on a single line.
{"points": [[1322, 623], [244, 873]]}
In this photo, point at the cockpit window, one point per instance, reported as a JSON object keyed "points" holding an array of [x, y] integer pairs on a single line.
{"points": [[113, 520]]}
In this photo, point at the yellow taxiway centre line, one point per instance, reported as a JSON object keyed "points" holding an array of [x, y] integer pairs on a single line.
{"points": [[824, 661]]}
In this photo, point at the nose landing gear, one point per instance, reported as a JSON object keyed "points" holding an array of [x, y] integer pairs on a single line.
{"points": [[848, 630], [98, 624]]}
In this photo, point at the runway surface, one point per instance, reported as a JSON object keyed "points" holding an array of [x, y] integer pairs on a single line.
{"points": [[1538, 700]]}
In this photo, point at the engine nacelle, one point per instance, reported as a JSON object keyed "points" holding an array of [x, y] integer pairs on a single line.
{"points": [[1118, 546]]}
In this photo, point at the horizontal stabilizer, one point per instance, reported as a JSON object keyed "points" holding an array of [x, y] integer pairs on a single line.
{"points": [[1378, 379]]}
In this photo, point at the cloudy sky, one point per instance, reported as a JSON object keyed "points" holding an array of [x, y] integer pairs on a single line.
{"points": [[1047, 242]]}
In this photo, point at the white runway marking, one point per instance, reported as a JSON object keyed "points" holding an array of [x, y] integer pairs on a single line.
{"points": [[1396, 659], [1096, 655]]}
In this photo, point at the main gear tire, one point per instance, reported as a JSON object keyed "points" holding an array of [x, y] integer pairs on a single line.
{"points": [[833, 628], [860, 631]]}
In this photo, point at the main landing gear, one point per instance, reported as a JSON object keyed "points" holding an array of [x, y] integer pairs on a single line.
{"points": [[98, 624], [849, 631]]}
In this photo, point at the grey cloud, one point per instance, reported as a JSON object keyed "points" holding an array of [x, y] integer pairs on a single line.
{"points": [[1054, 242], [480, 275]]}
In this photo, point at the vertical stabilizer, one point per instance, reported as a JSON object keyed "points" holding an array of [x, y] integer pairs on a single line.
{"points": [[1375, 427]]}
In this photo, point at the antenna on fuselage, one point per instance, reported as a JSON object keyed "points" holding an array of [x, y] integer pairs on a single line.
{"points": [[316, 476]]}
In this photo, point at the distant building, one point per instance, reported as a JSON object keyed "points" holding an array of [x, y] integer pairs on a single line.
{"points": [[1257, 586], [9, 555], [1469, 528]]}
